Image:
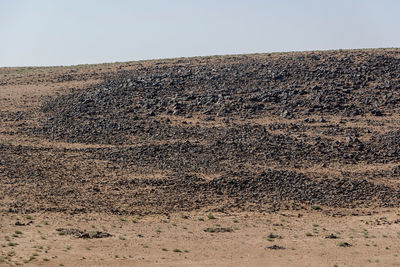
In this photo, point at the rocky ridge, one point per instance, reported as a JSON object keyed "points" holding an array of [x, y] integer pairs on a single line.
{"points": [[251, 132]]}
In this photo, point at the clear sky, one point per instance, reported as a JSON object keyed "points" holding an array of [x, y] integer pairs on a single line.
{"points": [[55, 32]]}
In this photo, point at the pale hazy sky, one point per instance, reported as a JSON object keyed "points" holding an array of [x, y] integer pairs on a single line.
{"points": [[55, 32]]}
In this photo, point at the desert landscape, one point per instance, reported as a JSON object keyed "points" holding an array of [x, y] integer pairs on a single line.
{"points": [[278, 159]]}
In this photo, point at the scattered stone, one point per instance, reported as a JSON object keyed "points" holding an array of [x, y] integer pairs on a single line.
{"points": [[82, 234], [218, 230], [332, 236], [275, 247]]}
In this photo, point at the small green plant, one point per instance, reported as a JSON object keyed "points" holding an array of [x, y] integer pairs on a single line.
{"points": [[308, 234], [211, 216], [68, 247], [122, 238], [18, 232], [186, 251], [235, 221], [164, 249], [210, 230], [177, 250], [11, 253], [45, 259], [201, 219], [315, 207], [28, 217], [12, 244], [134, 221]]}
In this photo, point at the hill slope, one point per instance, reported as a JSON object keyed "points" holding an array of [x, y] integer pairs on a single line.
{"points": [[251, 132]]}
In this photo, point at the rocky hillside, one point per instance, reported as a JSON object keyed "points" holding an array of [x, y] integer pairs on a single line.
{"points": [[251, 132]]}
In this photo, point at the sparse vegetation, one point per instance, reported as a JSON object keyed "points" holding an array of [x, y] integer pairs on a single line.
{"points": [[211, 216]]}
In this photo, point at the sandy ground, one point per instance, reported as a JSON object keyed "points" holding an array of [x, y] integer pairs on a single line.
{"points": [[183, 239]]}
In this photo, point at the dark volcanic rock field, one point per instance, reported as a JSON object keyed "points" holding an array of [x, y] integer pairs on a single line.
{"points": [[252, 132]]}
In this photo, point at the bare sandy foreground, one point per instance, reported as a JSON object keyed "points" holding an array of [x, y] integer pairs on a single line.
{"points": [[309, 238]]}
